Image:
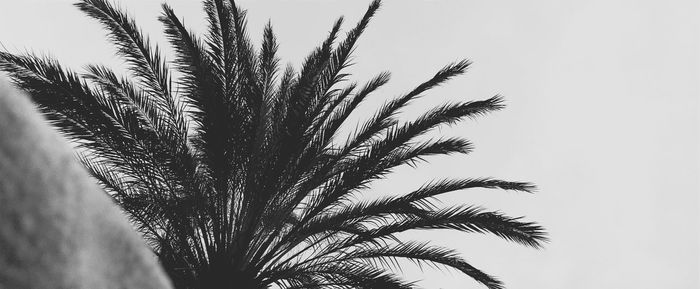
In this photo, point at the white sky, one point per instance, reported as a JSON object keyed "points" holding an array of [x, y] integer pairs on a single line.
{"points": [[602, 115]]}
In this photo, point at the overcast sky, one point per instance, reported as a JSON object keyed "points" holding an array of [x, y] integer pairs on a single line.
{"points": [[603, 103]]}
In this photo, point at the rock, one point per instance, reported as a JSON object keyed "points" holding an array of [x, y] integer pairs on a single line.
{"points": [[58, 229]]}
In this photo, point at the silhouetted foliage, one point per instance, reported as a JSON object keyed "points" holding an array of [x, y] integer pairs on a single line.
{"points": [[234, 172]]}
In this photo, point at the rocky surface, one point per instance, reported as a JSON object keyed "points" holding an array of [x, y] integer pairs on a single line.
{"points": [[57, 228]]}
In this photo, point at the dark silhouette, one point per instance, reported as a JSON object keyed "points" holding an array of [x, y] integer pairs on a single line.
{"points": [[234, 172]]}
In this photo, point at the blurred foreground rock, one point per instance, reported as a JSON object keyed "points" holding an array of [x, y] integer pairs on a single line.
{"points": [[57, 228]]}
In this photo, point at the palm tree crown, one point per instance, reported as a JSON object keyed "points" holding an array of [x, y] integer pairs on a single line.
{"points": [[234, 172]]}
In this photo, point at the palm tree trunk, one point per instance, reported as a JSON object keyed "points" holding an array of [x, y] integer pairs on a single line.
{"points": [[223, 277]]}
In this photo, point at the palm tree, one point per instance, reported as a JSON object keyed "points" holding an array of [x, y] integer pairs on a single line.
{"points": [[234, 172]]}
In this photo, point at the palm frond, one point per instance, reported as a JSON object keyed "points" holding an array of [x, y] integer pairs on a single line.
{"points": [[383, 117], [145, 62], [422, 252], [237, 173]]}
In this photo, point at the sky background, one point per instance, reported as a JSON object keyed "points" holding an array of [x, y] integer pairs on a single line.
{"points": [[603, 104]]}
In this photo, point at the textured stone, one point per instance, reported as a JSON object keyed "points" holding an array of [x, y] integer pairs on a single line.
{"points": [[57, 228]]}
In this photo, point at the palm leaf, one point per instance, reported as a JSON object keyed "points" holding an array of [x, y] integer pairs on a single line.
{"points": [[237, 174]]}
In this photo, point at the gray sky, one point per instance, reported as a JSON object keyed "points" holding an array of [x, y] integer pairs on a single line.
{"points": [[602, 115]]}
